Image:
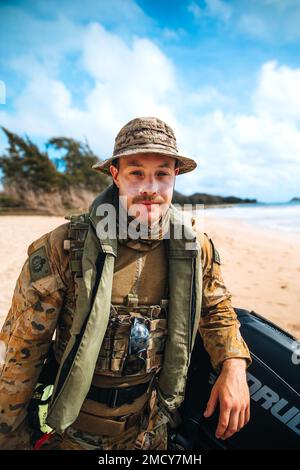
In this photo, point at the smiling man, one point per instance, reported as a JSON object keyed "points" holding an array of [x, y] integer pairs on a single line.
{"points": [[126, 306]]}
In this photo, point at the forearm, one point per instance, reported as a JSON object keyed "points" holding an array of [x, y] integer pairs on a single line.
{"points": [[24, 359], [25, 340], [220, 331], [234, 363]]}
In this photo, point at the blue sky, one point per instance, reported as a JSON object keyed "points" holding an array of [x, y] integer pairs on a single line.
{"points": [[224, 74]]}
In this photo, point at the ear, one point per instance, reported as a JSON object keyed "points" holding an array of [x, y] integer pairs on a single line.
{"points": [[176, 171], [114, 173]]}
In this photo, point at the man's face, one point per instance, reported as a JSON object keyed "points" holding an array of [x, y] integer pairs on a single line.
{"points": [[147, 181]]}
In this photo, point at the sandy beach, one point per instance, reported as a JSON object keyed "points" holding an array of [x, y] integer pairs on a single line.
{"points": [[261, 267]]}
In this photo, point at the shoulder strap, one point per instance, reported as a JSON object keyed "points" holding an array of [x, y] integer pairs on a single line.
{"points": [[78, 229]]}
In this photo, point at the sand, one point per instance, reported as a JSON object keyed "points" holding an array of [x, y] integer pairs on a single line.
{"points": [[260, 267], [16, 234]]}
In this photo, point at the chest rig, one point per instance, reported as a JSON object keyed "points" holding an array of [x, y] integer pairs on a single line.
{"points": [[93, 312], [133, 344]]}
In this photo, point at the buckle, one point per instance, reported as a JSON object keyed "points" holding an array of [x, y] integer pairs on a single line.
{"points": [[120, 396], [113, 398], [131, 300]]}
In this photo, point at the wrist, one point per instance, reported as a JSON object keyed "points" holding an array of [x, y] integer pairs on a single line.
{"points": [[234, 363]]}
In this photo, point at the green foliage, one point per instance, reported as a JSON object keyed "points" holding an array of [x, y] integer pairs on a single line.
{"points": [[78, 159], [24, 163], [26, 166], [7, 201]]}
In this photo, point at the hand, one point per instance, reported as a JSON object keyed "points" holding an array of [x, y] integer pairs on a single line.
{"points": [[232, 390]]}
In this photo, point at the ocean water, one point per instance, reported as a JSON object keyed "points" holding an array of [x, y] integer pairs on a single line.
{"points": [[277, 216]]}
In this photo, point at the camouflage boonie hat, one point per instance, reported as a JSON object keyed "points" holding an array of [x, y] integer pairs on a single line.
{"points": [[147, 135]]}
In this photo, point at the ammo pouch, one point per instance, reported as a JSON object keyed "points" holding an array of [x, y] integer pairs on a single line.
{"points": [[134, 340]]}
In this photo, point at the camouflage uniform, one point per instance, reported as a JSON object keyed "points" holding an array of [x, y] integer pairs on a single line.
{"points": [[45, 303]]}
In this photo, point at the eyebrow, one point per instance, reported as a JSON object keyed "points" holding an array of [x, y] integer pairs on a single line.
{"points": [[136, 163]]}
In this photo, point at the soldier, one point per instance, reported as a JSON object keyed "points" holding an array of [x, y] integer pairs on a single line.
{"points": [[125, 311]]}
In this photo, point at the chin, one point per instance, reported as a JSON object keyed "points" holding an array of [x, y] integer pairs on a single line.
{"points": [[147, 215], [151, 218]]}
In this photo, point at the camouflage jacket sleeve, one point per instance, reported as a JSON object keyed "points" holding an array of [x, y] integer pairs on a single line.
{"points": [[219, 326], [28, 329]]}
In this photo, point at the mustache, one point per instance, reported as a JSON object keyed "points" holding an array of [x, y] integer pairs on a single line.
{"points": [[147, 198]]}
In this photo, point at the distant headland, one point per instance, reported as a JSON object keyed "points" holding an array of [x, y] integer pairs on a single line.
{"points": [[209, 199]]}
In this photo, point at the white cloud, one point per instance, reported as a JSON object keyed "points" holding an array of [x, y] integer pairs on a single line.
{"points": [[272, 21], [250, 154], [245, 155], [254, 25], [218, 8], [108, 59], [255, 154], [173, 34], [207, 96], [129, 80], [2, 92], [212, 8], [196, 11], [278, 92]]}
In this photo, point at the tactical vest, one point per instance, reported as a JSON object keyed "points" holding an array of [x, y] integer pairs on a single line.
{"points": [[95, 262], [134, 341]]}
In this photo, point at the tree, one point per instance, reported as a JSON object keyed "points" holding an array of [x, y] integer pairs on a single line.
{"points": [[25, 165], [79, 158]]}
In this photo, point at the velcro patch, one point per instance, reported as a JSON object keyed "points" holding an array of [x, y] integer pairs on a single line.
{"points": [[38, 264], [216, 256]]}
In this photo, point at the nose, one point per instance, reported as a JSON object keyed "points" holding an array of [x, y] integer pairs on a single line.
{"points": [[149, 186]]}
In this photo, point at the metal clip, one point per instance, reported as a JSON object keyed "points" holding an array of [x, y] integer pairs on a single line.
{"points": [[132, 300]]}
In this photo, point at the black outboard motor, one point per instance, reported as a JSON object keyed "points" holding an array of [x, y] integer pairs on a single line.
{"points": [[274, 383]]}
